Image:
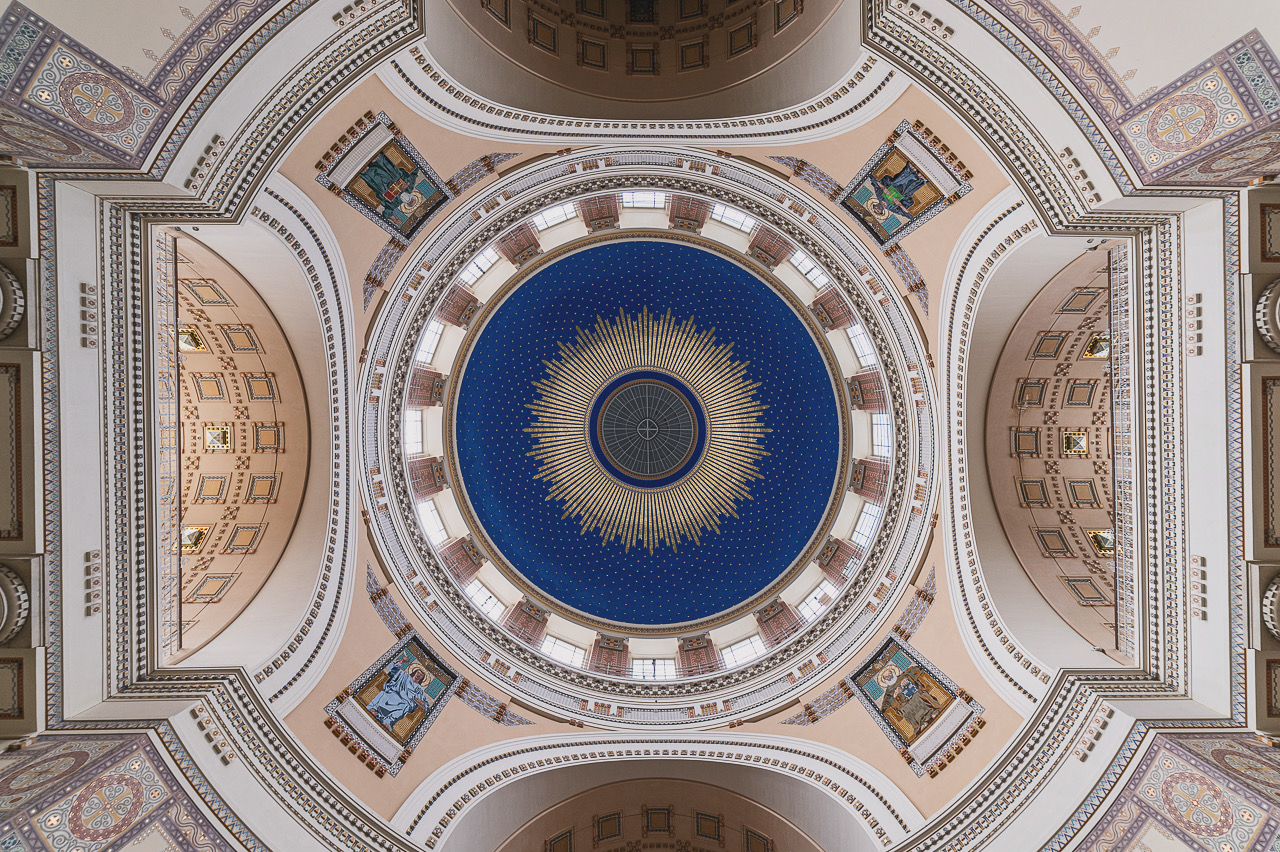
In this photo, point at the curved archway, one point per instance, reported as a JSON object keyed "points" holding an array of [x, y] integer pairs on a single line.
{"points": [[482, 798], [754, 79], [673, 809], [1050, 434], [1000, 264]]}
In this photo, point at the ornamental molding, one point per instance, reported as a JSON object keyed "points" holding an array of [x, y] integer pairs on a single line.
{"points": [[417, 79], [1266, 315], [277, 761], [15, 603], [430, 812], [13, 302]]}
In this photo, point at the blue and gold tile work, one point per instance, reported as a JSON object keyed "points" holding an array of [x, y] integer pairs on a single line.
{"points": [[778, 377]]}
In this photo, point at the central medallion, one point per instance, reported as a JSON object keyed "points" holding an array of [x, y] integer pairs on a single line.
{"points": [[648, 431], [647, 428]]}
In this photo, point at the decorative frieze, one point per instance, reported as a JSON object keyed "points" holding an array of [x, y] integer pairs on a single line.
{"points": [[777, 621], [832, 309], [697, 655]]}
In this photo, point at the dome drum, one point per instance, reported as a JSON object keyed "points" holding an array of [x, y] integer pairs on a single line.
{"points": [[756, 684]]}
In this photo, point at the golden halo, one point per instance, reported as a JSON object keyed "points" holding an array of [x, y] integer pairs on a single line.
{"points": [[685, 509]]}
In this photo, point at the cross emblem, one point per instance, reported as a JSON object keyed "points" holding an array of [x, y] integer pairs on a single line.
{"points": [[647, 429], [113, 803], [41, 773], [103, 103]]}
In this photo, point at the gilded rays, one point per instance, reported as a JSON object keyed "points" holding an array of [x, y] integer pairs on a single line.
{"points": [[638, 516]]}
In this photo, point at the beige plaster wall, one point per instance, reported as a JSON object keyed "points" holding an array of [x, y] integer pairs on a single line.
{"points": [[930, 246], [458, 728], [851, 728], [361, 240]]}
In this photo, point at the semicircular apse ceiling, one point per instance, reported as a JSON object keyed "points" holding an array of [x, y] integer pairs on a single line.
{"points": [[646, 432]]}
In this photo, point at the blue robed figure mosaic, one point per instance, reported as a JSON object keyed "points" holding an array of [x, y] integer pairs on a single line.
{"points": [[390, 706], [408, 687]]}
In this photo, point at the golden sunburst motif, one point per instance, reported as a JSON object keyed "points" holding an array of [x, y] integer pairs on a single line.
{"points": [[647, 430]]}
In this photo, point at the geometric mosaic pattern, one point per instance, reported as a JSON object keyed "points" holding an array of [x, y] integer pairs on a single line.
{"points": [[97, 792], [486, 705], [1209, 792], [812, 175], [917, 608], [386, 606], [65, 105], [1216, 123]]}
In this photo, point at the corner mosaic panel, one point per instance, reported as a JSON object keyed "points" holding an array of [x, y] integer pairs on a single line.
{"points": [[97, 792], [67, 106], [904, 185], [1188, 790], [389, 708], [920, 709], [1213, 124], [382, 175]]}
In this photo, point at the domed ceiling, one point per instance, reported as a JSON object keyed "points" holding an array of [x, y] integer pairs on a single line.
{"points": [[647, 432], [697, 488]]}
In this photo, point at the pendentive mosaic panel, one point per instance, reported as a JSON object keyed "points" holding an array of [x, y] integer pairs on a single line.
{"points": [[919, 708], [904, 185], [468, 693], [392, 704], [382, 175]]}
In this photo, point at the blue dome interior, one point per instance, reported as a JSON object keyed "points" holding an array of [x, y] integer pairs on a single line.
{"points": [[602, 579]]}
